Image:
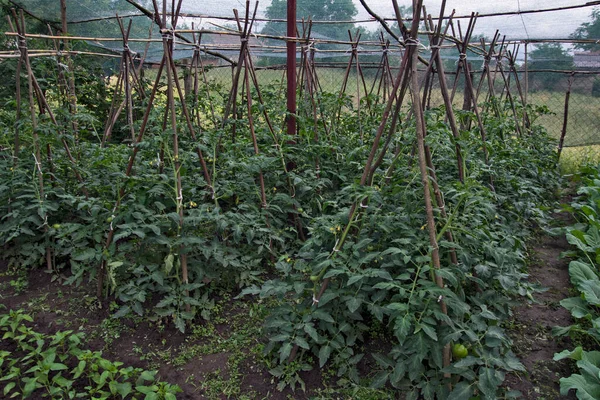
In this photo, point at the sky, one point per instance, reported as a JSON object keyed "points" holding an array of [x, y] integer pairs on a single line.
{"points": [[557, 24]]}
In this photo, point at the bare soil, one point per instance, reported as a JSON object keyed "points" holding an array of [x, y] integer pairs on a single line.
{"points": [[205, 375], [531, 326]]}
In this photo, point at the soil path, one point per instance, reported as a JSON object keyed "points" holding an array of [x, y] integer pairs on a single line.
{"points": [[532, 324]]}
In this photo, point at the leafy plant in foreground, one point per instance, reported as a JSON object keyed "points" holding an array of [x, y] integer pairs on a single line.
{"points": [[585, 278], [56, 366]]}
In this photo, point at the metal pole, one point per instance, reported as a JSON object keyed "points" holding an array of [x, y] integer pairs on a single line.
{"points": [[526, 85], [291, 67]]}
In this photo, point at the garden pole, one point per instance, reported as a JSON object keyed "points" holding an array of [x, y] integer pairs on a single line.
{"points": [[168, 41], [126, 75], [522, 93], [566, 115], [510, 97], [379, 80], [291, 67], [436, 40], [114, 111], [303, 56], [420, 128], [43, 104], [18, 101], [70, 69], [250, 73], [22, 44], [526, 67], [128, 172], [400, 81], [231, 106]]}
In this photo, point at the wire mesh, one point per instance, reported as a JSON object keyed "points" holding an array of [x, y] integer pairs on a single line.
{"points": [[533, 23]]}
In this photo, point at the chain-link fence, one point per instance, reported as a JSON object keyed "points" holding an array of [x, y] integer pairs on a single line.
{"points": [[546, 84], [545, 90]]}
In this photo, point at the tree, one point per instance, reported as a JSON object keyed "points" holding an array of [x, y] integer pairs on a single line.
{"points": [[549, 56], [589, 30], [318, 10]]}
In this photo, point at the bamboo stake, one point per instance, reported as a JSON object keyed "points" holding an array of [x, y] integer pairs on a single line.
{"points": [[22, 43], [436, 41], [419, 118], [18, 100], [128, 172], [171, 76], [510, 99], [565, 117], [72, 97], [522, 93], [399, 82]]}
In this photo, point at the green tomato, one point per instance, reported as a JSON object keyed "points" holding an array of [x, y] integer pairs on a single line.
{"points": [[459, 351], [56, 226], [314, 278], [109, 219]]}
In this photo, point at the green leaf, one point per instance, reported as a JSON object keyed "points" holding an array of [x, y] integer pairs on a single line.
{"points": [[327, 297], [581, 272], [577, 306], [312, 332], [148, 375], [169, 263], [489, 380], [591, 291], [30, 386], [151, 396], [429, 331], [462, 391], [180, 324], [323, 315], [398, 373], [282, 337], [577, 239], [585, 390], [87, 254], [354, 278], [353, 304], [284, 352], [300, 341], [123, 388], [382, 360], [9, 387], [402, 328], [58, 367], [146, 389], [324, 354], [380, 379], [158, 277], [401, 307]]}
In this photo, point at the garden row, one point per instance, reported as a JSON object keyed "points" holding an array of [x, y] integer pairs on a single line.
{"points": [[584, 235], [381, 281], [379, 220], [58, 367]]}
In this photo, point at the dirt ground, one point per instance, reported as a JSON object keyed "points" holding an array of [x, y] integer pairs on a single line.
{"points": [[531, 327], [214, 361], [221, 358]]}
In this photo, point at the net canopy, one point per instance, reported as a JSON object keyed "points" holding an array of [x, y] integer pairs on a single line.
{"points": [[516, 19], [211, 26]]}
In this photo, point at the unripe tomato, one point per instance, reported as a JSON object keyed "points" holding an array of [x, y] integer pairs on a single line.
{"points": [[459, 351]]}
